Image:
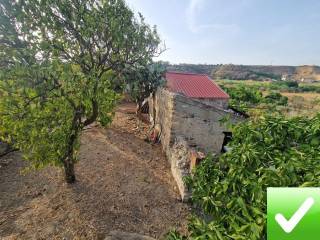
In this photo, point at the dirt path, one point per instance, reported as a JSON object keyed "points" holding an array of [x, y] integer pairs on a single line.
{"points": [[123, 184]]}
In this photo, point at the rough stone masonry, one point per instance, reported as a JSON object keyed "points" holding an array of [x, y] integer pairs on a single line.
{"points": [[188, 126]]}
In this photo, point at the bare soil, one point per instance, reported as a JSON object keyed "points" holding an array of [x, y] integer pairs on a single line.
{"points": [[123, 183]]}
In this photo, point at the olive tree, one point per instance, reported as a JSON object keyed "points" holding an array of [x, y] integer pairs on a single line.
{"points": [[143, 80], [58, 63]]}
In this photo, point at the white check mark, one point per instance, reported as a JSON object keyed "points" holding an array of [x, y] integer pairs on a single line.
{"points": [[288, 226]]}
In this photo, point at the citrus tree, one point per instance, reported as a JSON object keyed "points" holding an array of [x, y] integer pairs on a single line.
{"points": [[59, 60], [267, 151]]}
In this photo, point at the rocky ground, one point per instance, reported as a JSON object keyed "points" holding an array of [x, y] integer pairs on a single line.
{"points": [[123, 183]]}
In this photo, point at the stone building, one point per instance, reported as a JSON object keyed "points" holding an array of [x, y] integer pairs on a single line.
{"points": [[187, 114]]}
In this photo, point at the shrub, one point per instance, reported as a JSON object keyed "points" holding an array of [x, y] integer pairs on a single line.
{"points": [[244, 94], [243, 97], [269, 151], [309, 88], [276, 98], [289, 86]]}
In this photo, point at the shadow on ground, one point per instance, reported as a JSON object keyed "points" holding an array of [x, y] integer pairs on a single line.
{"points": [[123, 183]]}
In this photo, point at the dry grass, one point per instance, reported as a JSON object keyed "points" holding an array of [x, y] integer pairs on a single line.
{"points": [[309, 96], [303, 104], [123, 183]]}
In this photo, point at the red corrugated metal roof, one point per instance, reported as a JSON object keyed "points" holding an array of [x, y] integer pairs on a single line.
{"points": [[194, 85]]}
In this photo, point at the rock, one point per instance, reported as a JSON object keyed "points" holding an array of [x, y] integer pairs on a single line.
{"points": [[180, 165], [3, 147], [117, 235]]}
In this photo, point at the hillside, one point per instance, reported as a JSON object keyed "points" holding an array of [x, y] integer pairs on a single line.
{"points": [[254, 72], [251, 72], [307, 72], [194, 68]]}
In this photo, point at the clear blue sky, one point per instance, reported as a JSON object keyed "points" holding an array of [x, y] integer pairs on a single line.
{"points": [[277, 32]]}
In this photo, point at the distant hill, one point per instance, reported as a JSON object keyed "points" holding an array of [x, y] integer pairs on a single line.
{"points": [[255, 72], [307, 72], [192, 68]]}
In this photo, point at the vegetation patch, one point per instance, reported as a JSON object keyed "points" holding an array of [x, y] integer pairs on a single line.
{"points": [[286, 97], [230, 190]]}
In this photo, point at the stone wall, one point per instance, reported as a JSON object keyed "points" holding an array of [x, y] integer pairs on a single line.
{"points": [[161, 108], [199, 123], [180, 164], [219, 103], [187, 125]]}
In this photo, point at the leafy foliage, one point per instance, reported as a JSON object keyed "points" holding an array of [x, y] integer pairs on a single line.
{"points": [[59, 64], [174, 235], [309, 88], [245, 94], [289, 86], [276, 98], [292, 86], [269, 151], [245, 97], [144, 80]]}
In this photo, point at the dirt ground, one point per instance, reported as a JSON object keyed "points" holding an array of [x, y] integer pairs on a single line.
{"points": [[123, 183]]}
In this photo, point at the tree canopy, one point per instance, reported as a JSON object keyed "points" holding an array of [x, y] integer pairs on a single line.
{"points": [[144, 80], [59, 61]]}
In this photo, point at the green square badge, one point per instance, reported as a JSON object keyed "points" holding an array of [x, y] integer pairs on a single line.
{"points": [[293, 213]]}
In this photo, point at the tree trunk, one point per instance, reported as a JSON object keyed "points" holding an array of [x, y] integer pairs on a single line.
{"points": [[68, 160], [153, 108], [76, 127], [69, 170], [138, 109]]}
